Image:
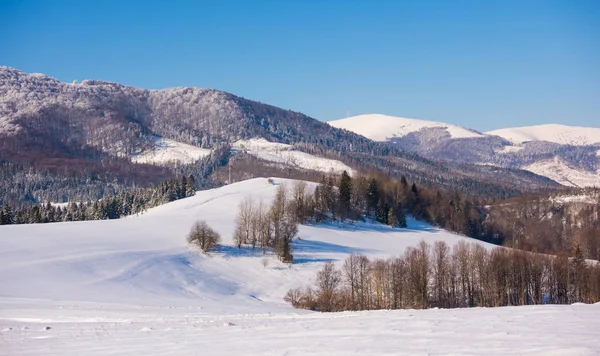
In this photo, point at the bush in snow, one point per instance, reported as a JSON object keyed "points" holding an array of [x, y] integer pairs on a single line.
{"points": [[203, 236]]}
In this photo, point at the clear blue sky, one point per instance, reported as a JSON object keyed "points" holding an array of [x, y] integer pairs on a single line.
{"points": [[481, 64]]}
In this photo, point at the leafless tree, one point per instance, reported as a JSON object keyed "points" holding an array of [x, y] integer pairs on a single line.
{"points": [[203, 236]]}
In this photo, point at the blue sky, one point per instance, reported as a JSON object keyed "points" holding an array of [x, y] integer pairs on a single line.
{"points": [[480, 64]]}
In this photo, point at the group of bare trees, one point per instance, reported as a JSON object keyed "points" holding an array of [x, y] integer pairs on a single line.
{"points": [[271, 227], [468, 275]]}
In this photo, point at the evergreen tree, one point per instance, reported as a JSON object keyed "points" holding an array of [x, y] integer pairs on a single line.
{"points": [[345, 195], [382, 212], [49, 212], [8, 217], [182, 193], [372, 197], [401, 218], [191, 186], [35, 216]]}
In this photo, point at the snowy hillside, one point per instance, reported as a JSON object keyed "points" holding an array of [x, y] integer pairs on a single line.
{"points": [[132, 286], [286, 155], [379, 127], [167, 151], [559, 171], [146, 257], [562, 134]]}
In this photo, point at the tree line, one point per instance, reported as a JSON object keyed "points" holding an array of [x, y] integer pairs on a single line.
{"points": [[468, 275], [109, 207]]}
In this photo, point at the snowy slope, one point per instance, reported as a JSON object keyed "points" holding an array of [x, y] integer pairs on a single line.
{"points": [[285, 154], [146, 257], [379, 127], [562, 134], [559, 171], [132, 286], [169, 151]]}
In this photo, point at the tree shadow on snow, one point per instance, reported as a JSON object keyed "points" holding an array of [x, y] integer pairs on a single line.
{"points": [[310, 247], [245, 251], [413, 225], [302, 260]]}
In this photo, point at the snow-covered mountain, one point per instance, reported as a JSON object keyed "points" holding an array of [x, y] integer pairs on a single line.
{"points": [[105, 133], [561, 134], [133, 286], [382, 127], [565, 154]]}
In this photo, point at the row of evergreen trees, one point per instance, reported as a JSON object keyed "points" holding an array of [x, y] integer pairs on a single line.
{"points": [[110, 207], [437, 276]]}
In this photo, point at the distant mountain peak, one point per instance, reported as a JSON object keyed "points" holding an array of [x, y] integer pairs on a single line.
{"points": [[380, 127], [556, 133]]}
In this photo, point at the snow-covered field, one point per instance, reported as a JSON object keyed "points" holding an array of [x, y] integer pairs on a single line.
{"points": [[169, 151], [132, 286], [379, 127], [285, 154]]}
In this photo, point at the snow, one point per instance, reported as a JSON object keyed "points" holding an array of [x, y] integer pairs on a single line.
{"points": [[285, 154], [167, 151], [510, 149], [562, 134], [90, 329], [557, 170], [132, 286], [567, 199], [379, 127]]}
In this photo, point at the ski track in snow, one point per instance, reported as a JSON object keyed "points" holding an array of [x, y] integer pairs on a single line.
{"points": [[132, 286]]}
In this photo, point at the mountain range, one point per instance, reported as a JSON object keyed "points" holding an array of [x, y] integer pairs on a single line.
{"points": [[99, 136], [569, 155]]}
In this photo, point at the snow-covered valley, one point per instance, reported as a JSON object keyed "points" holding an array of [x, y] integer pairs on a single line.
{"points": [[133, 286]]}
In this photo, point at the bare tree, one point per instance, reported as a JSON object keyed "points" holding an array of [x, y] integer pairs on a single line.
{"points": [[242, 234], [328, 280], [441, 270], [203, 236]]}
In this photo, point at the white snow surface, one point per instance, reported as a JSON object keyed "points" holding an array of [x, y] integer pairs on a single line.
{"points": [[169, 151], [133, 286], [562, 134], [287, 155], [557, 170], [510, 149], [379, 127]]}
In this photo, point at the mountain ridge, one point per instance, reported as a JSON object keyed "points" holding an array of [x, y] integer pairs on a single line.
{"points": [[566, 154], [91, 130]]}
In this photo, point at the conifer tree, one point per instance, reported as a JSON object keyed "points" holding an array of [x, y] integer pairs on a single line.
{"points": [[191, 186], [345, 195], [401, 218], [372, 197], [8, 215]]}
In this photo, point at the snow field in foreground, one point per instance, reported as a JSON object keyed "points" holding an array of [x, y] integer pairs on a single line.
{"points": [[100, 329], [133, 286]]}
